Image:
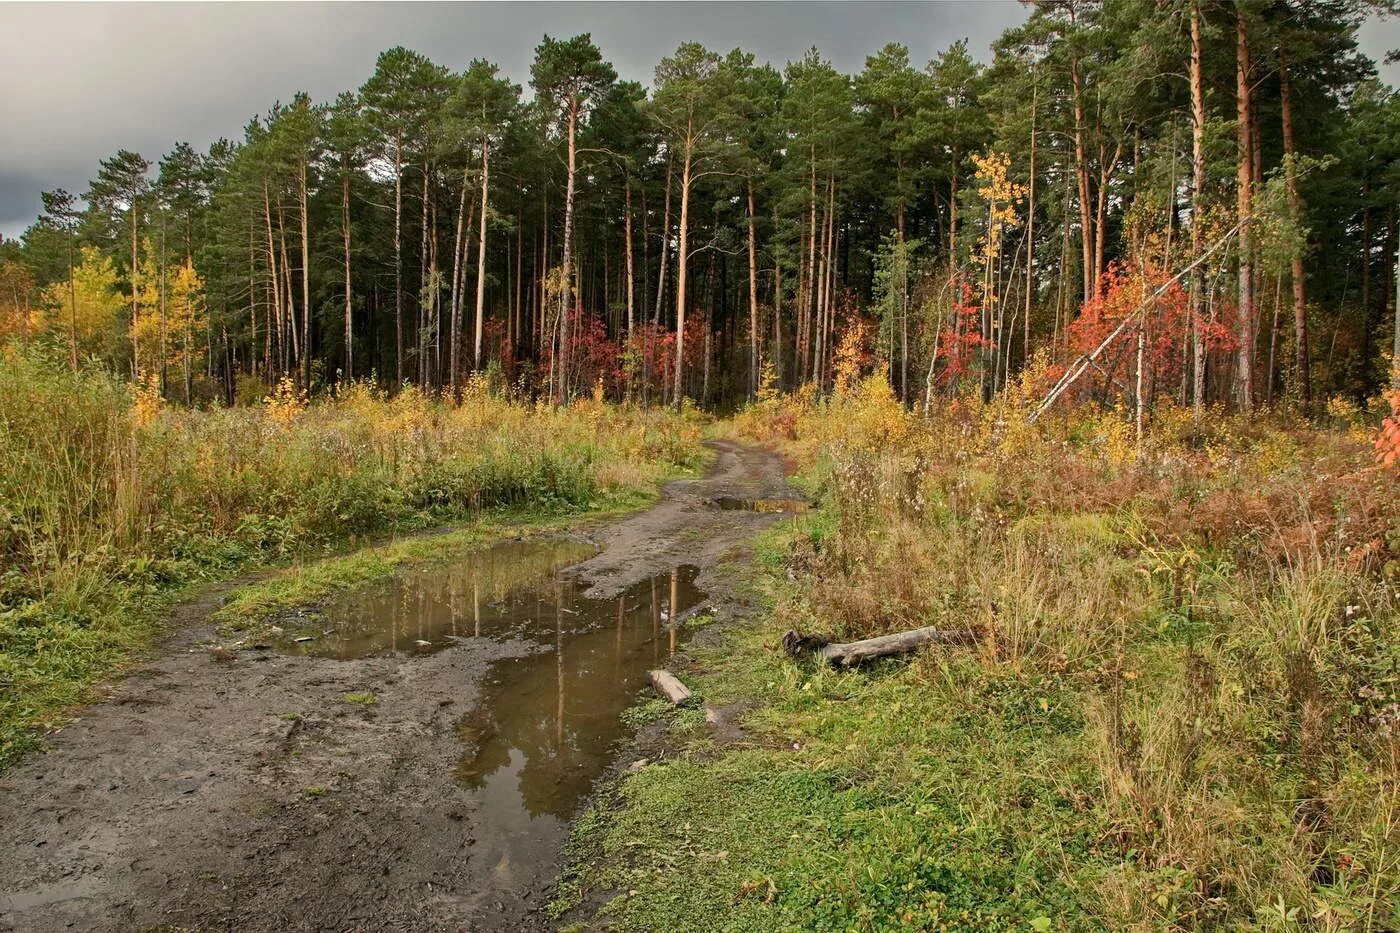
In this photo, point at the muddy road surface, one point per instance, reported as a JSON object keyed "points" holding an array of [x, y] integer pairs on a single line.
{"points": [[412, 766]]}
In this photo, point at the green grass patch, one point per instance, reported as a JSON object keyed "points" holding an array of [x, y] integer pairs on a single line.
{"points": [[877, 800], [52, 653], [646, 711]]}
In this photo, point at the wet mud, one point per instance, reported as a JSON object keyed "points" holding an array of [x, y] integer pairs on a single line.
{"points": [[406, 758]]}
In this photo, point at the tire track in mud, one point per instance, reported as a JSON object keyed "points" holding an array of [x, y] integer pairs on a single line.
{"points": [[687, 526]]}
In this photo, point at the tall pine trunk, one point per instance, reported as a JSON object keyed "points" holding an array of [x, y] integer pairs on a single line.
{"points": [[753, 298], [518, 339], [776, 352], [290, 316], [953, 212], [398, 262], [164, 319], [425, 307], [1081, 171], [1395, 353], [809, 296], [481, 252], [454, 324], [665, 244], [305, 280], [566, 279], [135, 309], [1030, 231], [1295, 212], [627, 248], [682, 261], [274, 324], [1198, 185], [349, 294], [1244, 185]]}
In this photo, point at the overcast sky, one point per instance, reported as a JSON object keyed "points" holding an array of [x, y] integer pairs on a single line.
{"points": [[82, 80]]}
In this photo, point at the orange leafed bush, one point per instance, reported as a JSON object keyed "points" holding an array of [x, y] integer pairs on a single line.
{"points": [[1388, 441]]}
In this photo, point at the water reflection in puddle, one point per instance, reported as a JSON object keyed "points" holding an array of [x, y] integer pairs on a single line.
{"points": [[490, 592], [561, 710], [547, 723]]}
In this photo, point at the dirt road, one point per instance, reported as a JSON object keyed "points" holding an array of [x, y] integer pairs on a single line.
{"points": [[248, 794]]}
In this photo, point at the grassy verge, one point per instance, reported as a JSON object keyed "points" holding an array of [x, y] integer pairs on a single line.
{"points": [[112, 505], [1182, 712], [857, 801]]}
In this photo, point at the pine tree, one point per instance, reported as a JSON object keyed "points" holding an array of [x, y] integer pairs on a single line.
{"points": [[483, 103], [60, 213], [347, 137], [119, 191], [397, 105], [570, 76], [688, 106]]}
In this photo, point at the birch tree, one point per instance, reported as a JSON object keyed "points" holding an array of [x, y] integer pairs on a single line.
{"points": [[484, 102]]}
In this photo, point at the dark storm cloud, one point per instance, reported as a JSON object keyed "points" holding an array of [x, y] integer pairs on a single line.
{"points": [[82, 80]]}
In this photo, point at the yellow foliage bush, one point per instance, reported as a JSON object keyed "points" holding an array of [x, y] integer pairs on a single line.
{"points": [[147, 400], [284, 403]]}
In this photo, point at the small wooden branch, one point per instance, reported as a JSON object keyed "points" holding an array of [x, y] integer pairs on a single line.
{"points": [[690, 613], [849, 654], [668, 686]]}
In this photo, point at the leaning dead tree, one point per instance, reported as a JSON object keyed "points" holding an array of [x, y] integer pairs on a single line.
{"points": [[1079, 366]]}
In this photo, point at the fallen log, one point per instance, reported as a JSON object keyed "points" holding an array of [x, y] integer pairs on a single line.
{"points": [[849, 654], [668, 686]]}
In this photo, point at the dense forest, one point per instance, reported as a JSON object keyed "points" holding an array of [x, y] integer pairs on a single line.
{"points": [[1213, 185], [990, 463]]}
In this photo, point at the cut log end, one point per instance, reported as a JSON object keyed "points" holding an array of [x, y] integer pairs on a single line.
{"points": [[796, 644], [670, 687]]}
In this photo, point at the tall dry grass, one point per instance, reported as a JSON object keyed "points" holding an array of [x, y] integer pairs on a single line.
{"points": [[1220, 596]]}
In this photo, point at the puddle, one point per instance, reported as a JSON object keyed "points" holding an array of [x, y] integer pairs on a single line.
{"points": [[745, 504], [547, 723], [428, 609]]}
